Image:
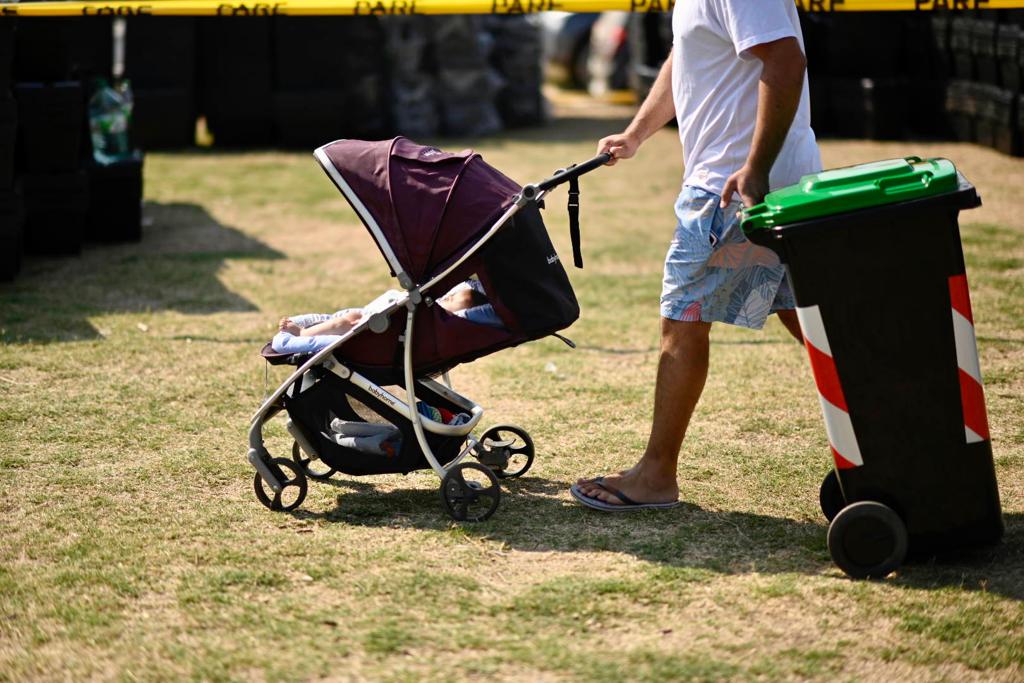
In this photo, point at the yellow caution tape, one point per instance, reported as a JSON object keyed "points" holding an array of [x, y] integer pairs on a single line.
{"points": [[170, 8]]}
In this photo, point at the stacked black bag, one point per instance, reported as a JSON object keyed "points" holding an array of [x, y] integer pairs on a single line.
{"points": [[517, 56], [236, 58], [11, 210], [330, 79], [160, 62], [53, 194], [984, 99], [933, 74], [858, 92], [467, 83], [412, 84], [52, 59]]}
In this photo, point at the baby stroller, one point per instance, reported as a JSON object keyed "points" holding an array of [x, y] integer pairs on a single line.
{"points": [[438, 218]]}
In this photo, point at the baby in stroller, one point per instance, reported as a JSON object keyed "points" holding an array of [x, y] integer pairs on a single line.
{"points": [[312, 332]]}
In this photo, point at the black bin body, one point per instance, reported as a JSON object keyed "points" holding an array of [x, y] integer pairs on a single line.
{"points": [[885, 282]]}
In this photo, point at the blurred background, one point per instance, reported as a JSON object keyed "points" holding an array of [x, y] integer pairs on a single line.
{"points": [[83, 98]]}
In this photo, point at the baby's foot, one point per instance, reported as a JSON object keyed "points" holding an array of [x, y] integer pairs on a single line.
{"points": [[288, 326]]}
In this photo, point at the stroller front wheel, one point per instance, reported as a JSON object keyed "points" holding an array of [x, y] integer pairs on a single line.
{"points": [[470, 492], [321, 473], [293, 486]]}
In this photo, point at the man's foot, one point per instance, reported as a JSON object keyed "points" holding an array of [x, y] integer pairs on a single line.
{"points": [[632, 485], [288, 326]]}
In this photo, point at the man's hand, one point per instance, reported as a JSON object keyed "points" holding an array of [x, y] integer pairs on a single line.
{"points": [[751, 185], [620, 146]]}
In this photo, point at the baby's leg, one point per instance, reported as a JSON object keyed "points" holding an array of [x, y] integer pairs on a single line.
{"points": [[339, 325], [309, 319]]}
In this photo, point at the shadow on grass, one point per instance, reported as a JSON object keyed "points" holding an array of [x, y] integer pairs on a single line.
{"points": [[174, 267], [532, 519]]}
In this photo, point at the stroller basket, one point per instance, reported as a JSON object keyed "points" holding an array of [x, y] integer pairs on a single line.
{"points": [[438, 219]]}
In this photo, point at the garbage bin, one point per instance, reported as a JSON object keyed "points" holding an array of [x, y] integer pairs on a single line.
{"points": [[873, 255]]}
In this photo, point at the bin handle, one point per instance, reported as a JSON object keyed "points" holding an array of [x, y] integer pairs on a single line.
{"points": [[893, 187]]}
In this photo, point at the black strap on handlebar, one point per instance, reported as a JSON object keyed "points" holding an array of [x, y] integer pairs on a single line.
{"points": [[574, 221]]}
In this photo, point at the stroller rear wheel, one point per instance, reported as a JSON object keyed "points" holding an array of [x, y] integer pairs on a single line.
{"points": [[293, 486], [470, 492], [507, 450], [320, 472]]}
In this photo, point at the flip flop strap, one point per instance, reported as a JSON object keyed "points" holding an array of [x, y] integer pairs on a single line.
{"points": [[615, 492]]}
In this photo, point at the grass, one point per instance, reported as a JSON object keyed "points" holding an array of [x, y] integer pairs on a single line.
{"points": [[132, 547]]}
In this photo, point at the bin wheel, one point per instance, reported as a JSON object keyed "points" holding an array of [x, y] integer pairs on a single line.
{"points": [[867, 540], [470, 492], [830, 496], [507, 450], [293, 486], [319, 472]]}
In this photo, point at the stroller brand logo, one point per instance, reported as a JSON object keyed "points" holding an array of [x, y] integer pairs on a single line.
{"points": [[552, 259], [381, 394]]}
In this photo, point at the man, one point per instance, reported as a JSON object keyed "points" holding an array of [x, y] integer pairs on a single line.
{"points": [[735, 81]]}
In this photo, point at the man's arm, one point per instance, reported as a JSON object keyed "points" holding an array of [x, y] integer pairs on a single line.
{"points": [[778, 97], [656, 110]]}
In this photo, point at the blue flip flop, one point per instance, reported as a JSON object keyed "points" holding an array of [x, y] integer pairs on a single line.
{"points": [[627, 502]]}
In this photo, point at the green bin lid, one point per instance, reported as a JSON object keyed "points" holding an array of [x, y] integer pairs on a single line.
{"points": [[841, 190]]}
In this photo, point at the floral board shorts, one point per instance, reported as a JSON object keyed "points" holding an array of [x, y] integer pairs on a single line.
{"points": [[713, 273]]}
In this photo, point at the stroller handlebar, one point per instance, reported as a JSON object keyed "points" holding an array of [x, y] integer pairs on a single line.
{"points": [[574, 171]]}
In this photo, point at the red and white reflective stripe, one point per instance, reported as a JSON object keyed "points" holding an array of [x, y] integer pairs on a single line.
{"points": [[833, 404], [972, 392]]}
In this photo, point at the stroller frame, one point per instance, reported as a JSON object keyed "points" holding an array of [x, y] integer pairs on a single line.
{"points": [[268, 469]]}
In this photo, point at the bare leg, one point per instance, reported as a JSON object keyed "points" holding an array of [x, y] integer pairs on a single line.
{"points": [[788, 318], [682, 371], [338, 325]]}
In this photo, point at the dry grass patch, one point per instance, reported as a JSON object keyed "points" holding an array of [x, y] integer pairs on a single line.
{"points": [[131, 546]]}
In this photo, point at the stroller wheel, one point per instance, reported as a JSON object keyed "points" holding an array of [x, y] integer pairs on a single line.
{"points": [[293, 486], [470, 492], [316, 471], [507, 450]]}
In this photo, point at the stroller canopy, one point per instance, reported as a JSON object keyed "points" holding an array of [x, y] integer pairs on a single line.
{"points": [[424, 207]]}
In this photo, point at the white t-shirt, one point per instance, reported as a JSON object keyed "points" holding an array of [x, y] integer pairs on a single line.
{"points": [[715, 88]]}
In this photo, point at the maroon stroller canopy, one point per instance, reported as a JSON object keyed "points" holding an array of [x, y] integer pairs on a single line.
{"points": [[427, 205]]}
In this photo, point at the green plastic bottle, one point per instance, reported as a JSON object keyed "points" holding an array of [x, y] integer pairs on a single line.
{"points": [[110, 111]]}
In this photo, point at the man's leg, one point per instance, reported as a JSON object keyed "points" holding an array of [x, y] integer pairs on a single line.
{"points": [[788, 318], [682, 371]]}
